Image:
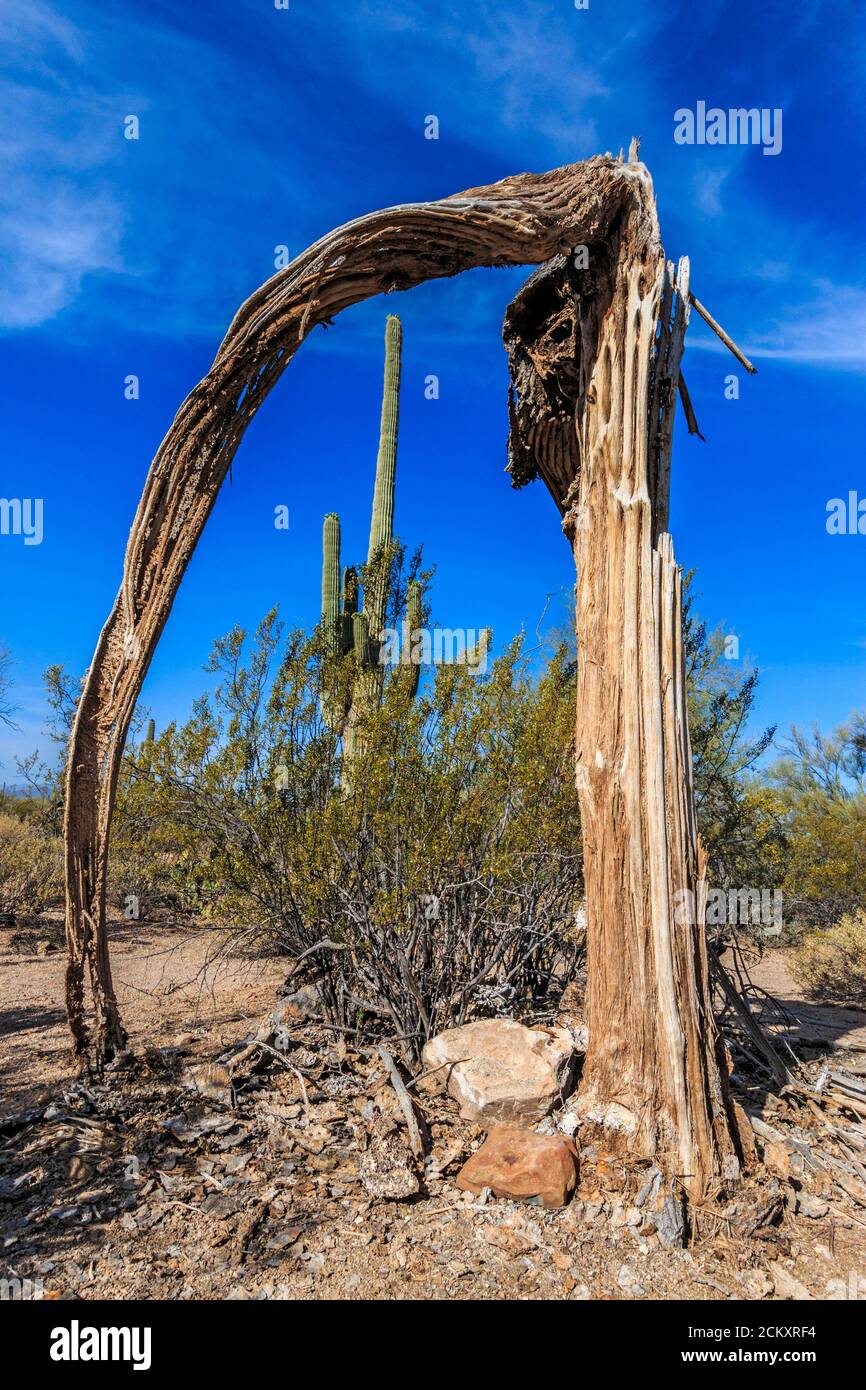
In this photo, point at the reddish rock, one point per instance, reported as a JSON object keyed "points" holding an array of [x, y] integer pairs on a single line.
{"points": [[522, 1164]]}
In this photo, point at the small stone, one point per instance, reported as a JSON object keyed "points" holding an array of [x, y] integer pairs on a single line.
{"points": [[210, 1080], [777, 1158], [521, 1164], [814, 1207], [301, 1006], [568, 1122], [387, 1170], [787, 1285], [511, 1241], [756, 1283], [629, 1282]]}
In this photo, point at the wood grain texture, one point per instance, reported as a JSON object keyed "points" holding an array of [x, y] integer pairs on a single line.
{"points": [[652, 1082]]}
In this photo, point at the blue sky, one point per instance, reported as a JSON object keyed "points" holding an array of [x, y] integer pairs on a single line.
{"points": [[262, 127]]}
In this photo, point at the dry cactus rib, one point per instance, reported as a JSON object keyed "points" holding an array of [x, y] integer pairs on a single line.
{"points": [[525, 219]]}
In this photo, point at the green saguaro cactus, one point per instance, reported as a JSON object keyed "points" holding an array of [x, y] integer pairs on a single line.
{"points": [[331, 613], [346, 627], [382, 520], [410, 669]]}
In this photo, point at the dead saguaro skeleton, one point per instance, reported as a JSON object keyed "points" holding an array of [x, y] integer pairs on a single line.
{"points": [[595, 368], [595, 357]]}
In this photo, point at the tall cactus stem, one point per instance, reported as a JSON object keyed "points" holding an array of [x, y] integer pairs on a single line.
{"points": [[361, 639], [331, 625], [350, 607], [382, 520], [414, 619]]}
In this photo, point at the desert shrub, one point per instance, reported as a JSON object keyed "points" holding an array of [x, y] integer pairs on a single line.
{"points": [[30, 868], [444, 884], [820, 785], [830, 963]]}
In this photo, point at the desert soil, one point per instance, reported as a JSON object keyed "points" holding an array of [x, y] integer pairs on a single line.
{"points": [[140, 1187]]}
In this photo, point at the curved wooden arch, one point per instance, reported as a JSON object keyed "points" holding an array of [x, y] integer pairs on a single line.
{"points": [[595, 367], [525, 219]]}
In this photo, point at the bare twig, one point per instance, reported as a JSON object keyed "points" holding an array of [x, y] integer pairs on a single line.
{"points": [[691, 418], [405, 1100], [720, 332]]}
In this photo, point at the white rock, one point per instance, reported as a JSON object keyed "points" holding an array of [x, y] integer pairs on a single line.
{"points": [[787, 1285], [756, 1283], [629, 1282], [568, 1122], [501, 1072]]}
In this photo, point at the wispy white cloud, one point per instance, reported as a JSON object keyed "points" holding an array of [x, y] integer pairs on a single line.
{"points": [[48, 251], [707, 187], [91, 221], [828, 328], [533, 78], [29, 26], [59, 222], [815, 320]]}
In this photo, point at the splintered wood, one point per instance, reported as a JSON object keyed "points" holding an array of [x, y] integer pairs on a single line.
{"points": [[608, 343]]}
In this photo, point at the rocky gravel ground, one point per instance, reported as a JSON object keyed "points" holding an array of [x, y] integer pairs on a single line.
{"points": [[204, 1169]]}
